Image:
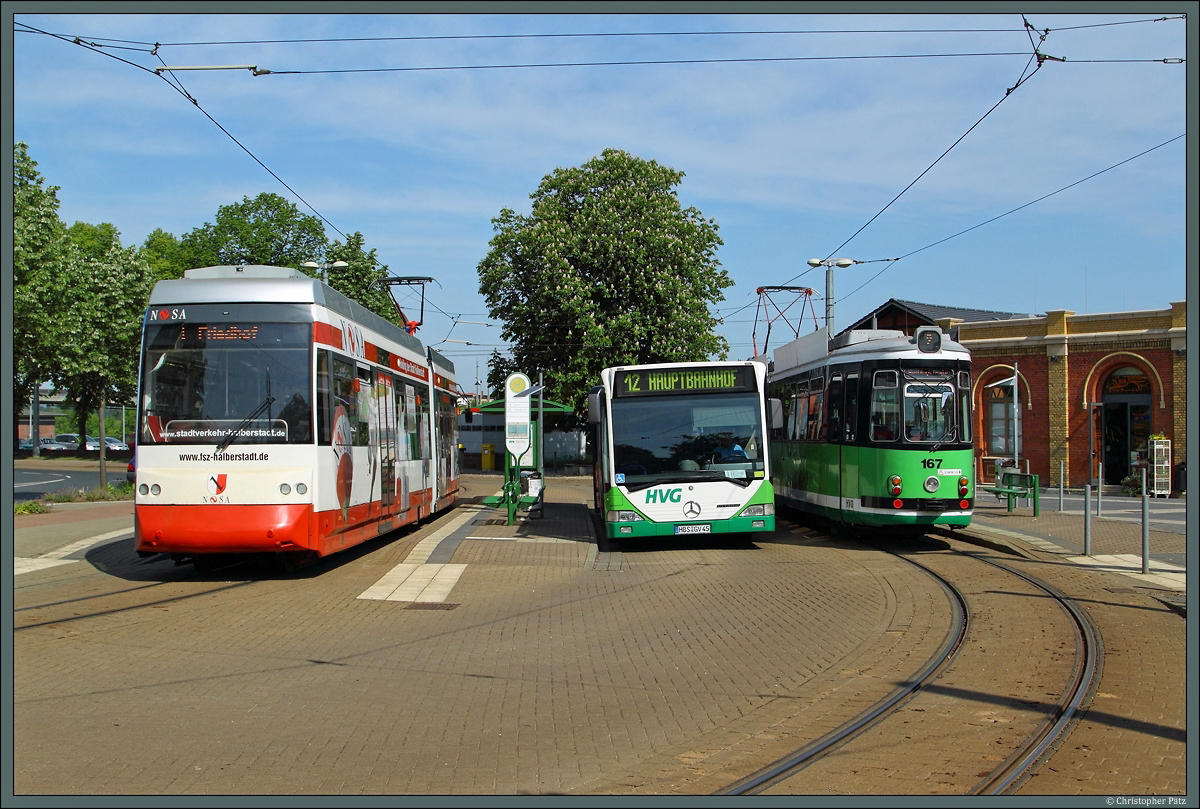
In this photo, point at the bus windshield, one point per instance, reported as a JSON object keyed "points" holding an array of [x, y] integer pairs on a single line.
{"points": [[681, 437], [221, 383]]}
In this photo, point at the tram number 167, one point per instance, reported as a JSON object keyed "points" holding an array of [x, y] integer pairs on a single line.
{"points": [[932, 463]]}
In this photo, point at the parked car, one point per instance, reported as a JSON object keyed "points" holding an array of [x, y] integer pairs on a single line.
{"points": [[131, 469], [50, 445], [115, 444], [68, 440], [25, 444]]}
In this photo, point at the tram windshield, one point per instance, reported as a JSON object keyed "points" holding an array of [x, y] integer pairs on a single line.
{"points": [[681, 438], [223, 383], [928, 411]]}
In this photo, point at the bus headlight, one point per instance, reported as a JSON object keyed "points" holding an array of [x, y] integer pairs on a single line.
{"points": [[622, 516], [760, 510]]}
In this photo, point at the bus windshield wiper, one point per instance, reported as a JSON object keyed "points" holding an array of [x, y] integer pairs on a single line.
{"points": [[687, 477], [228, 439]]}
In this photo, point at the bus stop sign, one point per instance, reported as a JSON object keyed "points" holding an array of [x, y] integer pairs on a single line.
{"points": [[516, 415]]}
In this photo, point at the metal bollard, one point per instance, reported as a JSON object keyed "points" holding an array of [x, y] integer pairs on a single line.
{"points": [[1099, 489], [1145, 525], [1060, 485], [1087, 519]]}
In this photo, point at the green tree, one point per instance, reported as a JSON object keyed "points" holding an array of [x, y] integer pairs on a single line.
{"points": [[99, 364], [607, 269], [360, 281], [40, 284], [163, 253], [265, 230], [94, 241]]}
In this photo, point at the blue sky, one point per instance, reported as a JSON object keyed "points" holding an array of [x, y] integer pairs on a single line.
{"points": [[794, 156]]}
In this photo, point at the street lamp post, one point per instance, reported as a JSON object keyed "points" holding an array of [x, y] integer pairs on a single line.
{"points": [[337, 265], [829, 264]]}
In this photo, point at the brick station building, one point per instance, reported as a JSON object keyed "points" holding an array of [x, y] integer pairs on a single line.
{"points": [[1092, 388]]}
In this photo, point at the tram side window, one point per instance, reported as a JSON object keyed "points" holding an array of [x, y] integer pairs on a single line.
{"points": [[832, 429], [800, 412], [366, 427], [816, 397], [850, 420], [324, 396], [344, 418], [885, 406], [964, 406]]}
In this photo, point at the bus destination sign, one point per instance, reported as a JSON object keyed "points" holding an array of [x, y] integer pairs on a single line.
{"points": [[667, 381]]}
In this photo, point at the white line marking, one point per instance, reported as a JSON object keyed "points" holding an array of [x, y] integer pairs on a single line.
{"points": [[23, 564], [415, 579]]}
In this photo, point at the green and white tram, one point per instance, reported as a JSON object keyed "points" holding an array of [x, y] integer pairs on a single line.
{"points": [[681, 449], [876, 428]]}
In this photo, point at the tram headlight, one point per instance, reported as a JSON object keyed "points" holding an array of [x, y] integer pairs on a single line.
{"points": [[284, 488], [893, 484], [143, 489], [155, 489], [931, 484], [301, 488]]}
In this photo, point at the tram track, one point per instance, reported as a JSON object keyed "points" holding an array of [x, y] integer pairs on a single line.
{"points": [[1042, 733]]}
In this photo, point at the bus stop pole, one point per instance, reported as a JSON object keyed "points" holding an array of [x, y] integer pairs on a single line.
{"points": [[1087, 519], [1145, 525]]}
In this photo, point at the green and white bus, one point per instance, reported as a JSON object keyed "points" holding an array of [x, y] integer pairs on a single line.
{"points": [[681, 449]]}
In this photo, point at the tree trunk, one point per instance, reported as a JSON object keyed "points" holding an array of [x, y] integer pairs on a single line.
{"points": [[36, 412], [103, 446]]}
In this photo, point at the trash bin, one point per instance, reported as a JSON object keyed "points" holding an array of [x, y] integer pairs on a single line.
{"points": [[531, 484], [488, 458], [1181, 477]]}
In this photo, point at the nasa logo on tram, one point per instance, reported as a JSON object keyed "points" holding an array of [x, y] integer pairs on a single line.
{"points": [[216, 489], [158, 315]]}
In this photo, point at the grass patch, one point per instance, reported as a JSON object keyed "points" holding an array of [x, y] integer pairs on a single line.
{"points": [[119, 491]]}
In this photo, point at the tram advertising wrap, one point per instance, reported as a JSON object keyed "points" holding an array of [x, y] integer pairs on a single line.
{"points": [[277, 417]]}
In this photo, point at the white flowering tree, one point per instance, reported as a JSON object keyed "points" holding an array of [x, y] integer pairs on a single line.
{"points": [[607, 269]]}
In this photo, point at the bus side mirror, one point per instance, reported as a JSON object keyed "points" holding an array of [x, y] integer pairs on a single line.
{"points": [[594, 407], [776, 414]]}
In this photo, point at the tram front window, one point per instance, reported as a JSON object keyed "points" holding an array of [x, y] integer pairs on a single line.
{"points": [[928, 412], [656, 439], [221, 383]]}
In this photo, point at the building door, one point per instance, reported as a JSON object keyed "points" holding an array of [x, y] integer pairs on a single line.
{"points": [[1126, 398]]}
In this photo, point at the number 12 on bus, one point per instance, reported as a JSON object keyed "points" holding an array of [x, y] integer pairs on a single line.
{"points": [[681, 449]]}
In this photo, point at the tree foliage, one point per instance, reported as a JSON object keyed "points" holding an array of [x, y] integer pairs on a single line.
{"points": [[265, 230], [607, 269], [40, 285], [100, 361], [94, 241], [360, 280], [163, 253]]}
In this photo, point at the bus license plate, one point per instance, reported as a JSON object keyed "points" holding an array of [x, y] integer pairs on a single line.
{"points": [[693, 529]]}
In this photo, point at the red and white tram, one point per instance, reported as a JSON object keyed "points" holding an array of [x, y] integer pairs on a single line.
{"points": [[278, 416]]}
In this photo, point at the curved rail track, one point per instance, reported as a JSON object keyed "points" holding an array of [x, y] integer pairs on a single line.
{"points": [[1024, 758]]}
